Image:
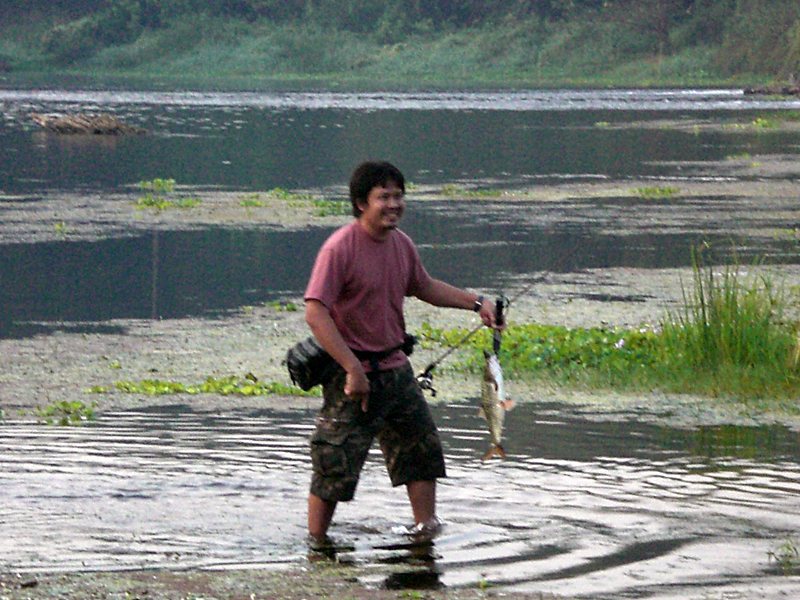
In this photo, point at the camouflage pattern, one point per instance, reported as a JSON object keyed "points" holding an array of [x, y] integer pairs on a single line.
{"points": [[398, 416]]}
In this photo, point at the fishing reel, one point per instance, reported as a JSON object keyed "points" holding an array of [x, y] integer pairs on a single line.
{"points": [[425, 380]]}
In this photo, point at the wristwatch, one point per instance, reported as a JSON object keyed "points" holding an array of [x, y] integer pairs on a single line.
{"points": [[478, 304]]}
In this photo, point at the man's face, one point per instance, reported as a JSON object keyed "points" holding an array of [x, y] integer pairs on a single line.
{"points": [[383, 210]]}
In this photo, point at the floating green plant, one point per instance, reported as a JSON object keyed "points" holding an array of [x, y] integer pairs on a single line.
{"points": [[156, 196], [331, 208], [764, 123], [159, 203], [252, 201], [232, 385], [451, 189], [656, 192], [786, 556], [158, 185], [283, 194], [65, 412], [740, 156], [283, 306], [322, 207], [555, 351]]}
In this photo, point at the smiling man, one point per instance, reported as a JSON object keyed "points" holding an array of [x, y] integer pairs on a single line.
{"points": [[354, 307]]}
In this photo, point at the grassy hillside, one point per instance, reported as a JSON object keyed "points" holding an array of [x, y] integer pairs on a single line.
{"points": [[744, 42]]}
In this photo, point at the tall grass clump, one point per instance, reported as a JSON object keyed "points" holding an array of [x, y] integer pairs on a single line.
{"points": [[730, 337]]}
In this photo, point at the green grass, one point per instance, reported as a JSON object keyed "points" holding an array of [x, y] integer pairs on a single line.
{"points": [[730, 339], [731, 336]]}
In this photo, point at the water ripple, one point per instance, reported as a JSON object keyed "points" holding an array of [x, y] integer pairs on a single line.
{"points": [[580, 505]]}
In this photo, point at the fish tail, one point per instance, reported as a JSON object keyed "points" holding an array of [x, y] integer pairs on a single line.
{"points": [[496, 450]]}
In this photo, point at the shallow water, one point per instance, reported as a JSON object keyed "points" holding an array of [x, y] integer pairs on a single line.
{"points": [[581, 505]]}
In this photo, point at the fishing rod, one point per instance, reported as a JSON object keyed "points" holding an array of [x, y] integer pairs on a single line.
{"points": [[425, 378]]}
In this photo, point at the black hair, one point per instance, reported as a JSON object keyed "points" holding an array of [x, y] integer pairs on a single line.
{"points": [[372, 174]]}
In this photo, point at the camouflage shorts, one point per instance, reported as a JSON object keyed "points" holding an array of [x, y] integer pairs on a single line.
{"points": [[398, 415]]}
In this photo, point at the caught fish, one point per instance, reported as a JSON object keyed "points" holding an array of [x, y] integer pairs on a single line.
{"points": [[494, 404]]}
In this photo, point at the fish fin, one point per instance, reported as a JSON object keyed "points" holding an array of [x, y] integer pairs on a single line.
{"points": [[495, 450], [482, 413], [507, 404]]}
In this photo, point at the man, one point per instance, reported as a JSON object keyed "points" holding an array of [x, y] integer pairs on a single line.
{"points": [[354, 307]]}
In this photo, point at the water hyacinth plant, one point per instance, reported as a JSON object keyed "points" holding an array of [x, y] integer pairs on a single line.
{"points": [[65, 412]]}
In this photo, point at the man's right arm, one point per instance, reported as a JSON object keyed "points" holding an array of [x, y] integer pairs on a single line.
{"points": [[327, 334]]}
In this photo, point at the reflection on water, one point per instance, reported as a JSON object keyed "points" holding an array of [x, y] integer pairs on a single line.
{"points": [[579, 506]]}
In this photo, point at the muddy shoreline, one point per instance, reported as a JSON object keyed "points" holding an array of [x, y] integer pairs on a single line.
{"points": [[65, 360]]}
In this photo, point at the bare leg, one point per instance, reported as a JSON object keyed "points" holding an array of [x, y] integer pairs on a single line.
{"points": [[320, 515], [422, 495]]}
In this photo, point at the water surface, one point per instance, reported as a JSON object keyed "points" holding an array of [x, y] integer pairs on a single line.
{"points": [[581, 506]]}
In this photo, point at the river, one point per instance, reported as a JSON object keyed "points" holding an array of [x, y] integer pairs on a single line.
{"points": [[592, 503], [310, 141]]}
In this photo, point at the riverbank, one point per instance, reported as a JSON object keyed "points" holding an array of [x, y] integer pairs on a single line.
{"points": [[316, 580]]}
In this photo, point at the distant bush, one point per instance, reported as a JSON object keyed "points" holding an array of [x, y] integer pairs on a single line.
{"points": [[758, 36], [121, 23]]}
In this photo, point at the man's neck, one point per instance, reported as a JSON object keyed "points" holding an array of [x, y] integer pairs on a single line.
{"points": [[377, 234]]}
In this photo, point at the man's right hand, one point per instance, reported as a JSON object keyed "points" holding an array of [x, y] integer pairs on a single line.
{"points": [[356, 387]]}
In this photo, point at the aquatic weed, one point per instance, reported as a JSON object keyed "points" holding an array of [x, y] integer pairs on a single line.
{"points": [[322, 207], [249, 385], [66, 412], [764, 123], [283, 306], [331, 208], [252, 203], [453, 190], [656, 192], [787, 557], [156, 194]]}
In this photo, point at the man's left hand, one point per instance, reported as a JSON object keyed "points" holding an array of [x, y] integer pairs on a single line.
{"points": [[487, 315]]}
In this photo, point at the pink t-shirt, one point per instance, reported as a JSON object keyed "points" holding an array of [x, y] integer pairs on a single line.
{"points": [[363, 282]]}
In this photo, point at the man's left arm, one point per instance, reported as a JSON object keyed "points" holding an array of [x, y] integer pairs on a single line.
{"points": [[443, 294]]}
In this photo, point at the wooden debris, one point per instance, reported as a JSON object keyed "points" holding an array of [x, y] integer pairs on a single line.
{"points": [[791, 88], [96, 124]]}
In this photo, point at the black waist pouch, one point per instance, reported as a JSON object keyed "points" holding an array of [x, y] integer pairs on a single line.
{"points": [[309, 364]]}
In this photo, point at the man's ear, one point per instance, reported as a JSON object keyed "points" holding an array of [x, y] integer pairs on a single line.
{"points": [[362, 204]]}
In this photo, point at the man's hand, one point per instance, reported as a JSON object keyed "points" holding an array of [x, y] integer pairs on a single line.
{"points": [[487, 315], [356, 387]]}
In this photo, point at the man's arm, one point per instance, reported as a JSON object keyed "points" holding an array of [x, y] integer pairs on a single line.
{"points": [[327, 334], [443, 294]]}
